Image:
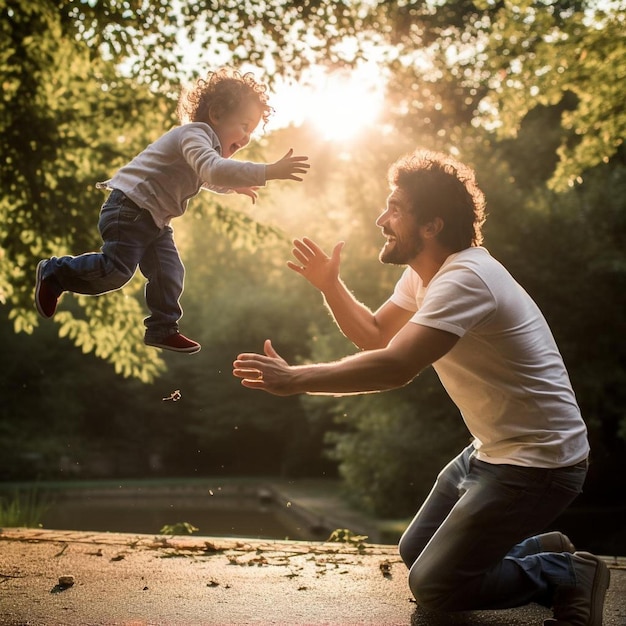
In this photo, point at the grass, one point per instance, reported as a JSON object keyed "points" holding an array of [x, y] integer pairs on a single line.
{"points": [[23, 509]]}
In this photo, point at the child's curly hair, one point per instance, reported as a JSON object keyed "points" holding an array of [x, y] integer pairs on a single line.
{"points": [[440, 186], [220, 92]]}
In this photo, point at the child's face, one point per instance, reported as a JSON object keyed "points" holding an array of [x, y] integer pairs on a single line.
{"points": [[234, 128]]}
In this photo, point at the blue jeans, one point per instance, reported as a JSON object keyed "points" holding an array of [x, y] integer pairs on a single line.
{"points": [[131, 239], [471, 545]]}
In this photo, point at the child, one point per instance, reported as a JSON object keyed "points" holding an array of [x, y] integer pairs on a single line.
{"points": [[217, 117]]}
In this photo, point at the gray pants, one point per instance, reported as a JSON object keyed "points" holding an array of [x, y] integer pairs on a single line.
{"points": [[471, 544]]}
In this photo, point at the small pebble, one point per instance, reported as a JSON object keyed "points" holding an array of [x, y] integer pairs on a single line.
{"points": [[66, 581]]}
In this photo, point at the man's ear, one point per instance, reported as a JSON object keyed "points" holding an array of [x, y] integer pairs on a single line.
{"points": [[432, 228]]}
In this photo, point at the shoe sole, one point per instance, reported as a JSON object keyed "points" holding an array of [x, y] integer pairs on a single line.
{"points": [[191, 350], [38, 281], [601, 582]]}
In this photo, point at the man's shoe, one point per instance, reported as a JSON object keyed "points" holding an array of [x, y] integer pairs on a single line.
{"points": [[175, 342], [46, 297], [555, 542], [583, 603]]}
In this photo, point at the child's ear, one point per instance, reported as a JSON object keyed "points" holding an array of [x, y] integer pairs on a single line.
{"points": [[214, 115]]}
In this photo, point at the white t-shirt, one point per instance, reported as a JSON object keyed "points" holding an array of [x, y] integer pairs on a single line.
{"points": [[505, 373]]}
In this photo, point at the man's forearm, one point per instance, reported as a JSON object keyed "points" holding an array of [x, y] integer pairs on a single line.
{"points": [[408, 353], [355, 320], [364, 372]]}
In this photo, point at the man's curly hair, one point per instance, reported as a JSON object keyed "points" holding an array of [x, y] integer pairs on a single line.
{"points": [[440, 186], [220, 92]]}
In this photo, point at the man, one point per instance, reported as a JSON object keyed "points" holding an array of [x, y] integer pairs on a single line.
{"points": [[473, 544]]}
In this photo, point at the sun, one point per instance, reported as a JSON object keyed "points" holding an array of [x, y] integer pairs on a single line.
{"points": [[338, 105]]}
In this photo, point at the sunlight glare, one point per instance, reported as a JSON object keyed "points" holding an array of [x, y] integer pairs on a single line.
{"points": [[338, 105]]}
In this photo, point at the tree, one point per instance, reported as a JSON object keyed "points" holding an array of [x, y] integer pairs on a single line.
{"points": [[506, 57], [527, 92], [389, 447], [68, 116], [542, 55], [87, 85]]}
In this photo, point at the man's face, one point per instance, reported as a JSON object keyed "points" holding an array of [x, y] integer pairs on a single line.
{"points": [[399, 226]]}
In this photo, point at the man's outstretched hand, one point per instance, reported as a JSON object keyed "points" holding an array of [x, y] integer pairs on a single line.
{"points": [[268, 372], [321, 270]]}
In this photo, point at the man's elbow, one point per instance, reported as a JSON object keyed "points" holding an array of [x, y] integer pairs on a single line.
{"points": [[370, 344], [373, 341]]}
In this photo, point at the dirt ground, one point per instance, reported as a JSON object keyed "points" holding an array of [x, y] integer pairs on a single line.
{"points": [[65, 578]]}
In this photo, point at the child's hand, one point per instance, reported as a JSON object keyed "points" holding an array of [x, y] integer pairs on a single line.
{"points": [[287, 167], [251, 192]]}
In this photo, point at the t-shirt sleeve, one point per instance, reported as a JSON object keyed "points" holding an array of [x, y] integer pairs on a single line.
{"points": [[457, 302], [406, 289]]}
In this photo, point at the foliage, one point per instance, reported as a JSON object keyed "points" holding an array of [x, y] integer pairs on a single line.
{"points": [[452, 65], [67, 116], [392, 445], [527, 92], [570, 257], [180, 528], [539, 54], [500, 59], [345, 535], [285, 37], [22, 509], [239, 297]]}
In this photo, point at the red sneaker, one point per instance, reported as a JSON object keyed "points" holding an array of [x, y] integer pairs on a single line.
{"points": [[46, 298], [175, 342]]}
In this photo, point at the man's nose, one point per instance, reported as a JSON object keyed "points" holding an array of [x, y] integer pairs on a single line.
{"points": [[382, 218]]}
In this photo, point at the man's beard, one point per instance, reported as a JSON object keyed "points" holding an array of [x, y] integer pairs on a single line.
{"points": [[401, 252]]}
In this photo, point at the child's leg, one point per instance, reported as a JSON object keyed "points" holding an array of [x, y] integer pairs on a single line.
{"points": [[126, 231], [165, 272]]}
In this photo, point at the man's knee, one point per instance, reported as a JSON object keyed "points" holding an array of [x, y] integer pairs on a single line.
{"points": [[408, 551], [430, 590]]}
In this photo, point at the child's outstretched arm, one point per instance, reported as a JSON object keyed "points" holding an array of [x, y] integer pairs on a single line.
{"points": [[287, 167]]}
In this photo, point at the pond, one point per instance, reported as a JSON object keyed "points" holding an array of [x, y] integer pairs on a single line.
{"points": [[253, 509], [231, 511]]}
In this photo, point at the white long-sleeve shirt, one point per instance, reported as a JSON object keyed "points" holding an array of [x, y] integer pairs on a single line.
{"points": [[163, 177]]}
